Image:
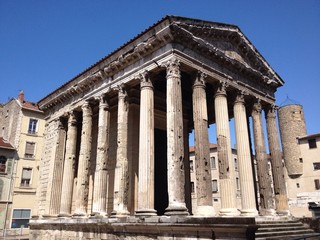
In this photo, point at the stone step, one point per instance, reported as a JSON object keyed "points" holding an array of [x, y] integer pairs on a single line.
{"points": [[281, 228], [268, 225], [284, 233], [312, 236]]}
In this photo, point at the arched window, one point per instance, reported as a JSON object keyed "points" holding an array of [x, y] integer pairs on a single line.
{"points": [[3, 164]]}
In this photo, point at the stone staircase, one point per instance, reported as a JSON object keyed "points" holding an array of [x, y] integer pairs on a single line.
{"points": [[284, 229]]}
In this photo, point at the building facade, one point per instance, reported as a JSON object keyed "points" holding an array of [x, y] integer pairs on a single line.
{"points": [[214, 167], [116, 137], [7, 159], [301, 156], [22, 125]]}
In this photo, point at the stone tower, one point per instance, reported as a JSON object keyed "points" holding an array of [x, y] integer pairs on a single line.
{"points": [[292, 125]]}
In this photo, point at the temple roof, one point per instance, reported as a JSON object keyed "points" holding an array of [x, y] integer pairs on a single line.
{"points": [[222, 43]]}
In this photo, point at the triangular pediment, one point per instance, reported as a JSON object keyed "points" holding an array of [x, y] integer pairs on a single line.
{"points": [[224, 42]]}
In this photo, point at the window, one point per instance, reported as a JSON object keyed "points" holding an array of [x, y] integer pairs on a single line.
{"points": [[213, 162], [3, 164], [317, 184], [32, 126], [26, 177], [191, 165], [235, 164], [300, 160], [192, 187], [29, 152], [316, 165], [214, 186], [298, 185], [20, 218], [312, 143]]}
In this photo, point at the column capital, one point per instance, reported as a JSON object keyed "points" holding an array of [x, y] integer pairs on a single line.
{"points": [[257, 108], [200, 80], [86, 109], [72, 120], [122, 92], [173, 68], [222, 88], [271, 111], [240, 97], [103, 102], [145, 81]]}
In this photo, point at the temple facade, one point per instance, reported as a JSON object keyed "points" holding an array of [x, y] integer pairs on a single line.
{"points": [[116, 136]]}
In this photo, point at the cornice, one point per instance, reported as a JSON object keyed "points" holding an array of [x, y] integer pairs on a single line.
{"points": [[265, 74], [171, 29]]}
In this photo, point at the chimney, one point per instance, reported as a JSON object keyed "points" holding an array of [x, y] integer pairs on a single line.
{"points": [[21, 96]]}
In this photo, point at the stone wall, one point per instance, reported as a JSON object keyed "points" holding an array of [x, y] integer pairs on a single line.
{"points": [[292, 125], [161, 228]]}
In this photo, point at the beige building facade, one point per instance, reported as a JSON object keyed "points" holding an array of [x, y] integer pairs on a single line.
{"points": [[305, 189], [116, 151], [22, 125], [214, 166]]}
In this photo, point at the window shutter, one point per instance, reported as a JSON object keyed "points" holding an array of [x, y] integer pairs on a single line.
{"points": [[317, 184], [26, 173], [9, 166], [30, 148]]}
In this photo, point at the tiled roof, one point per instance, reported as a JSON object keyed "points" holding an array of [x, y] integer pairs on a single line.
{"points": [[5, 144], [212, 146], [30, 106]]}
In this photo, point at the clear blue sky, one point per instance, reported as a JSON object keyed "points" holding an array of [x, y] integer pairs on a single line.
{"points": [[43, 44]]}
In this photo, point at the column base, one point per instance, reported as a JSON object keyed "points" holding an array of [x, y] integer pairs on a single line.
{"points": [[249, 212], [64, 215], [79, 215], [176, 211], [99, 215], [119, 213], [228, 212], [146, 213], [283, 212], [48, 216], [267, 212], [204, 211]]}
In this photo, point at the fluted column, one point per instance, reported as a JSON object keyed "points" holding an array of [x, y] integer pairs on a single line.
{"points": [[264, 180], [84, 161], [175, 151], [202, 148], [57, 178], [121, 181], [279, 183], [100, 175], [146, 149], [69, 170], [244, 158], [226, 164]]}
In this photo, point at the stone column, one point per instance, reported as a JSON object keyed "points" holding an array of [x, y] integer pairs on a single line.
{"points": [[57, 178], [69, 167], [264, 180], [146, 149], [84, 161], [202, 148], [121, 181], [279, 183], [226, 164], [100, 175], [175, 151], [244, 158]]}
